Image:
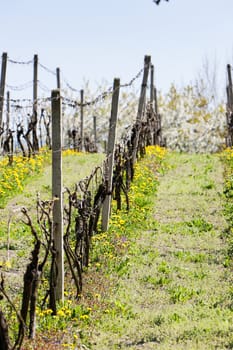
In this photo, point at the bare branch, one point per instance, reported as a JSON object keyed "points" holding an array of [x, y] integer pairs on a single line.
{"points": [[157, 2]]}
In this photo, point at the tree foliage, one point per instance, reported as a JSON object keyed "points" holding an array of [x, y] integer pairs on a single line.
{"points": [[191, 122]]}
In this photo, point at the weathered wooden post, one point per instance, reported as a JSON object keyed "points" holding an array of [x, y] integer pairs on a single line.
{"points": [[35, 102], [57, 191], [151, 86], [155, 101], [35, 82], [58, 78], [110, 154], [81, 115], [228, 119], [7, 110], [228, 96], [230, 91], [95, 131], [152, 121], [142, 99], [157, 134], [229, 104], [2, 84]]}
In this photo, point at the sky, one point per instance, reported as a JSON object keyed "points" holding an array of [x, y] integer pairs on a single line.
{"points": [[98, 40]]}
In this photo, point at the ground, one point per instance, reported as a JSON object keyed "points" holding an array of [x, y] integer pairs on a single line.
{"points": [[173, 286], [176, 293]]}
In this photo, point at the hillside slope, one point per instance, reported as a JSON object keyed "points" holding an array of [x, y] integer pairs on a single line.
{"points": [[176, 292]]}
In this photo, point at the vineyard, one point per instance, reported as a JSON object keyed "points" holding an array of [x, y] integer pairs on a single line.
{"points": [[104, 229]]}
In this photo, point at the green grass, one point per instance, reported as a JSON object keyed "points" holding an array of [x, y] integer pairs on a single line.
{"points": [[75, 168], [160, 278], [175, 282]]}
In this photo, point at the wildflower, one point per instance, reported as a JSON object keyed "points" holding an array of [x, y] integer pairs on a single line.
{"points": [[48, 312], [84, 317], [60, 313]]}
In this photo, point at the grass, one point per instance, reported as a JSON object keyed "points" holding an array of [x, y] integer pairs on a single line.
{"points": [[107, 250], [16, 236], [175, 283], [160, 278], [76, 166]]}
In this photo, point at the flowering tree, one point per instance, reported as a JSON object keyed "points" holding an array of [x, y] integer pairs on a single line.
{"points": [[191, 122]]}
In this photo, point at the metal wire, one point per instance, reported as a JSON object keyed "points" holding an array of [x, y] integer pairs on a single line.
{"points": [[47, 69], [19, 62], [65, 101], [68, 84], [43, 86], [20, 87]]}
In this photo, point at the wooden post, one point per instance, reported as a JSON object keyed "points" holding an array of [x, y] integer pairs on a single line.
{"points": [[230, 91], [95, 131], [7, 110], [152, 121], [229, 103], [155, 100], [35, 96], [58, 78], [142, 99], [147, 61], [35, 84], [81, 114], [151, 86], [157, 131], [2, 84], [228, 118], [228, 97], [110, 154], [57, 191]]}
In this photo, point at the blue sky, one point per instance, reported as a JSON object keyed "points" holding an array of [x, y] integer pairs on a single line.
{"points": [[103, 39]]}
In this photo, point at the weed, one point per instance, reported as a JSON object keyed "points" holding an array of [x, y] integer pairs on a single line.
{"points": [[181, 294], [199, 224], [200, 275], [156, 281], [123, 267], [163, 267], [208, 185], [230, 248], [47, 188], [208, 169], [190, 257], [193, 333], [175, 317], [158, 320]]}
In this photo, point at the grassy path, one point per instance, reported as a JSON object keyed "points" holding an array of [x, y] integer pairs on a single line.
{"points": [[177, 290]]}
